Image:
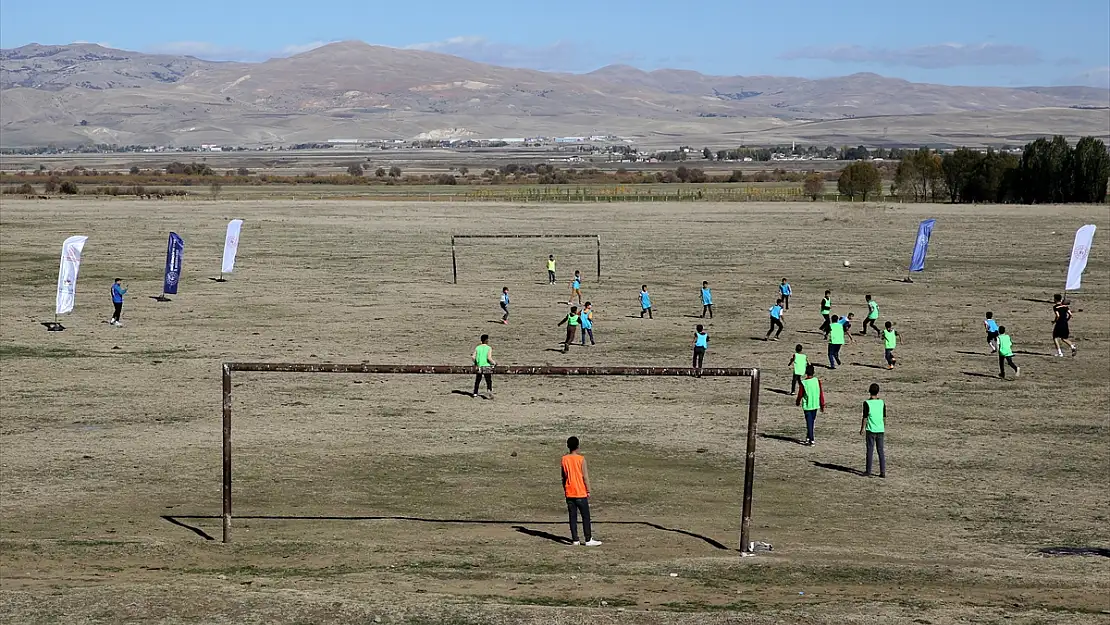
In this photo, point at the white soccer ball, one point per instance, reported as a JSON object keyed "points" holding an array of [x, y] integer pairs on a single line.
{"points": [[847, 264]]}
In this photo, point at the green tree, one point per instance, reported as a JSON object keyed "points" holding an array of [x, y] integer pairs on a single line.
{"points": [[956, 168], [1045, 174], [707, 154], [860, 178], [354, 169], [1090, 170], [395, 172], [814, 185], [134, 170]]}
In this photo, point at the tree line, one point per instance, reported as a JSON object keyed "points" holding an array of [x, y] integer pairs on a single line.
{"points": [[1049, 171]]}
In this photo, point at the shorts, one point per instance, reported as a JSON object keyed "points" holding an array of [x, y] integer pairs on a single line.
{"points": [[991, 336], [1061, 332]]}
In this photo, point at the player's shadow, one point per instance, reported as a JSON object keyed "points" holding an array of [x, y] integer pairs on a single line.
{"points": [[780, 391], [467, 394], [780, 437], [553, 349], [516, 525], [562, 540], [972, 353], [1037, 301], [1025, 353], [837, 467], [861, 364], [976, 374]]}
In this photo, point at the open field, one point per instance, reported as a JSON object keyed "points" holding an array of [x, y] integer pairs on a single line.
{"points": [[396, 499]]}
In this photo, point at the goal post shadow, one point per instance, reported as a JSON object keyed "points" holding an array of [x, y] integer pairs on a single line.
{"points": [[261, 367], [455, 266]]}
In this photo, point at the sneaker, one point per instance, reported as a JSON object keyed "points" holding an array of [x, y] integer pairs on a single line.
{"points": [[505, 321], [1002, 376], [1074, 348], [1017, 372], [1059, 354], [576, 543], [592, 543], [119, 325], [867, 474]]}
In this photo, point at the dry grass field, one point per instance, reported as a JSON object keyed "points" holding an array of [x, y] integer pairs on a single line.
{"points": [[400, 499]]}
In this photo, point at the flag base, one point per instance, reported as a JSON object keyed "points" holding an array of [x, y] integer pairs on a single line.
{"points": [[53, 326], [217, 280], [161, 298], [907, 279]]}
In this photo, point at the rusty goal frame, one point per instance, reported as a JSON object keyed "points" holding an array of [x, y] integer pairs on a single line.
{"points": [[455, 266], [257, 367]]}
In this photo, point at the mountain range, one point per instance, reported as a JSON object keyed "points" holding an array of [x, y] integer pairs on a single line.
{"points": [[83, 93]]}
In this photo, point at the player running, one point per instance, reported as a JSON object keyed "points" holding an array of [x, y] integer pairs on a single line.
{"points": [[1061, 315]]}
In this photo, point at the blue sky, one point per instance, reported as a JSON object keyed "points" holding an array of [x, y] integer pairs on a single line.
{"points": [[971, 42]]}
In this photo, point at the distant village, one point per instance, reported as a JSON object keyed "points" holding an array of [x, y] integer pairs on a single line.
{"points": [[603, 147]]}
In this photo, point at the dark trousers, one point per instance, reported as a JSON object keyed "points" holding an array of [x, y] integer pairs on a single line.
{"points": [[505, 307], [889, 355], [707, 308], [570, 338], [811, 419], [551, 277], [574, 506], [825, 325], [699, 357], [786, 302], [646, 311], [775, 323], [869, 322], [589, 331], [795, 382], [834, 355], [478, 380], [875, 443], [1002, 362], [119, 310]]}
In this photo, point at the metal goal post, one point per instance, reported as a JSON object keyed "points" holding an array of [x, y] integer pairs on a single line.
{"points": [[455, 266], [261, 367]]}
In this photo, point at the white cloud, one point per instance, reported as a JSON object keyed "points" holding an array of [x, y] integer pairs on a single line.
{"points": [[935, 56], [219, 52]]}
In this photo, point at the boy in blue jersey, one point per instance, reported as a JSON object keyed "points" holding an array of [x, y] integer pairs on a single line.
{"points": [[776, 321], [784, 293], [846, 321], [706, 300], [586, 320], [576, 288], [992, 331], [645, 303], [701, 344], [505, 305], [118, 291]]}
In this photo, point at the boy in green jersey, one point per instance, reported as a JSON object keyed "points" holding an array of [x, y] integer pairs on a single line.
{"points": [[1006, 354], [572, 321], [483, 359], [799, 362], [872, 316], [811, 397], [890, 341], [826, 310], [836, 341], [874, 427]]}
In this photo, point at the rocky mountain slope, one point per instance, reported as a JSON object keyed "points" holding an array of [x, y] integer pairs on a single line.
{"points": [[85, 92]]}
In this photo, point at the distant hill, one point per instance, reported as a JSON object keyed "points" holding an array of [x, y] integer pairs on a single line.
{"points": [[84, 92]]}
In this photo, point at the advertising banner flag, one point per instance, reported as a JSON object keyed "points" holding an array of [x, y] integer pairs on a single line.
{"points": [[1079, 252], [231, 245], [175, 248], [921, 245], [67, 273]]}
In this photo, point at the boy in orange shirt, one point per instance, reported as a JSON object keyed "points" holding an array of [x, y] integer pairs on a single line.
{"points": [[575, 480]]}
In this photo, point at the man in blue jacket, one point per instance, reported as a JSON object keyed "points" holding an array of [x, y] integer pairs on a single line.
{"points": [[117, 301]]}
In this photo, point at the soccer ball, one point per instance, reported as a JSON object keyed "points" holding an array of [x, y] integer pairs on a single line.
{"points": [[847, 264]]}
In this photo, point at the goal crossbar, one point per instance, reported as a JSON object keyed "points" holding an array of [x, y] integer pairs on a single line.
{"points": [[265, 367], [455, 266]]}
